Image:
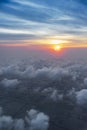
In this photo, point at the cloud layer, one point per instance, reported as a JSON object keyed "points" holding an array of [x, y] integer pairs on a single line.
{"points": [[57, 92]]}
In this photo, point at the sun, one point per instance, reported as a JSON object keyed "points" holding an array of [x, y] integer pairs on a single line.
{"points": [[57, 47]]}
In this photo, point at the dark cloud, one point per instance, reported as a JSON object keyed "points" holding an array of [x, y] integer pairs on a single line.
{"points": [[34, 120], [10, 83], [81, 97]]}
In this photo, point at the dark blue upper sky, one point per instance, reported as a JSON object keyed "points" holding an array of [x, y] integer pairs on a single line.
{"points": [[24, 20]]}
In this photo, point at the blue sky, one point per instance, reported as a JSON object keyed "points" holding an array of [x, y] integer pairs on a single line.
{"points": [[28, 21]]}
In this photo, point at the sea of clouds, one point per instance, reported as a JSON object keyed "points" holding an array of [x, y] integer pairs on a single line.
{"points": [[36, 96]]}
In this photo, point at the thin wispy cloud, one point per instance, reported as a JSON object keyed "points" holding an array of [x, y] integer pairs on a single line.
{"points": [[43, 19]]}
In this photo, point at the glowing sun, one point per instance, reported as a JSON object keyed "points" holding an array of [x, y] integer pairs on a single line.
{"points": [[57, 47]]}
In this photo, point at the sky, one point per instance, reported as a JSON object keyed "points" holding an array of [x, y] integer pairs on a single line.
{"points": [[25, 22]]}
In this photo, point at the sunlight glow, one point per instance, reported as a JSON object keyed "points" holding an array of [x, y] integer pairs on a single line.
{"points": [[56, 41], [57, 47]]}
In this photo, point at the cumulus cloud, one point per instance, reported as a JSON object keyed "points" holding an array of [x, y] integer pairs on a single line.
{"points": [[31, 72], [34, 119], [49, 72], [58, 73], [56, 96], [10, 82], [19, 124], [37, 120], [6, 122], [54, 90], [82, 96], [10, 70]]}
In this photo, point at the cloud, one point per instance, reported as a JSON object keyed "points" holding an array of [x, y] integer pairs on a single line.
{"points": [[32, 72], [37, 120], [29, 72], [55, 96], [51, 94], [11, 69], [85, 81], [9, 82], [29, 3], [6, 122], [19, 124], [53, 18], [1, 111], [82, 97], [53, 73], [34, 120]]}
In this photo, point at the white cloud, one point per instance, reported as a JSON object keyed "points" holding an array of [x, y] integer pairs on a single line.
{"points": [[32, 4]]}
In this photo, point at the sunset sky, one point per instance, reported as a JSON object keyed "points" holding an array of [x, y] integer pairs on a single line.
{"points": [[25, 22]]}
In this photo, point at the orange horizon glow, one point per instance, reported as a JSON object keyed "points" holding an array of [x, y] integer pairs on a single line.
{"points": [[54, 46]]}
